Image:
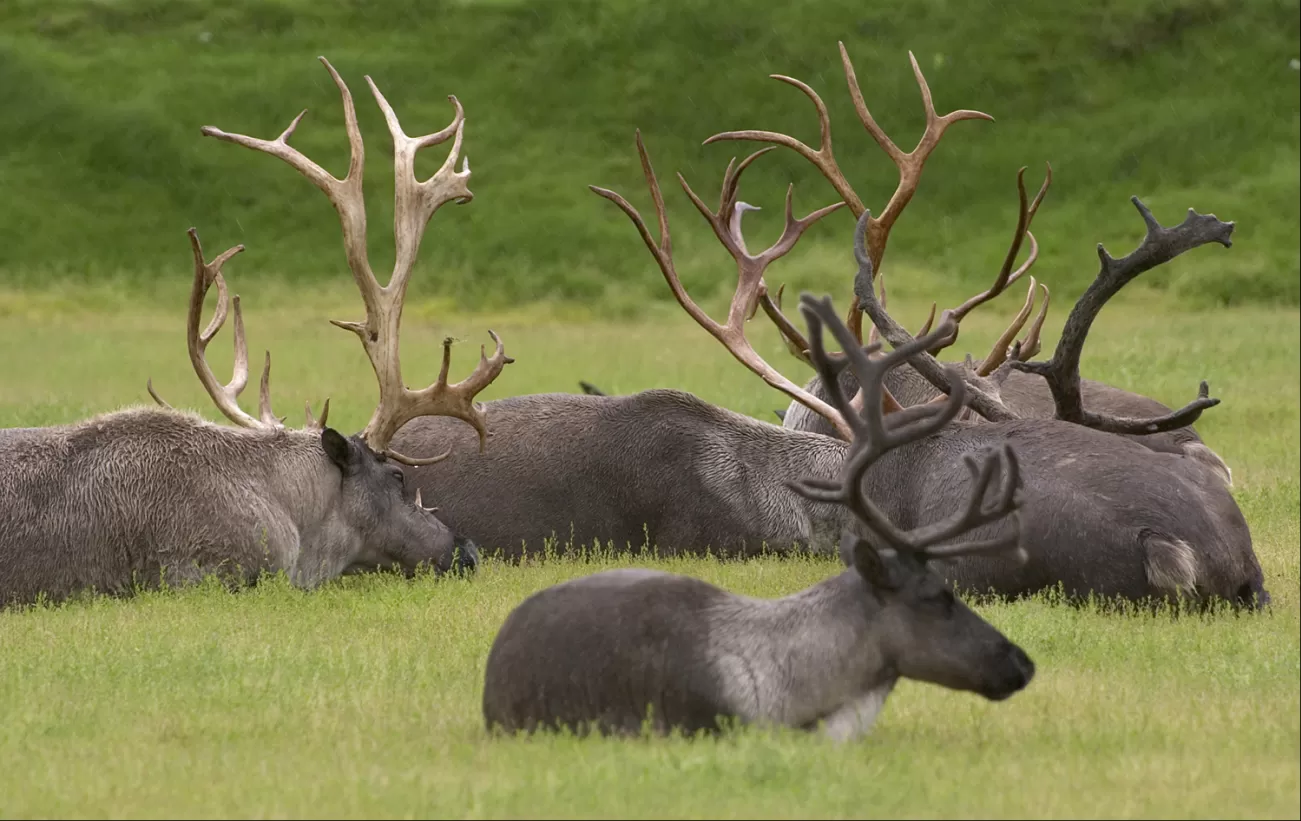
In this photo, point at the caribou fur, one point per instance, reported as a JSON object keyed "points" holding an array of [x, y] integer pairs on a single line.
{"points": [[148, 495]]}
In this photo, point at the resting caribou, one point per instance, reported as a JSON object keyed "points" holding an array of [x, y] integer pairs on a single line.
{"points": [[150, 494], [613, 651], [1024, 394], [1103, 514]]}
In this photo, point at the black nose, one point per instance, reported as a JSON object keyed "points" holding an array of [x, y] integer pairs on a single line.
{"points": [[1024, 666], [465, 555], [1014, 673]]}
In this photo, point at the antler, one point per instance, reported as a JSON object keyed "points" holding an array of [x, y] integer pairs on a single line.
{"points": [[226, 397], [910, 164], [874, 434], [750, 268], [982, 392], [1062, 372], [1006, 276], [415, 202]]}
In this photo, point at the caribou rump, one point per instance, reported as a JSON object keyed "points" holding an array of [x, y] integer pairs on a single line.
{"points": [[153, 494]]}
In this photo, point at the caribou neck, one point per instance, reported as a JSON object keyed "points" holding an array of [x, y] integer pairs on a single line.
{"points": [[306, 486], [803, 658]]}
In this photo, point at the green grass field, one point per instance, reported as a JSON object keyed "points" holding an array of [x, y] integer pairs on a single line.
{"points": [[1182, 102], [361, 699]]}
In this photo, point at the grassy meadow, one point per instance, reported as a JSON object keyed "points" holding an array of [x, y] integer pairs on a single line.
{"points": [[1182, 102], [362, 699]]}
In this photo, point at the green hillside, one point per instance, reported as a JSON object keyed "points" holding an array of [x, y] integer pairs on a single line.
{"points": [[1182, 102]]}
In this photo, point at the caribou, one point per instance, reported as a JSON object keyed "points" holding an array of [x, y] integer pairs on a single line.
{"points": [[619, 650], [1104, 515], [155, 495], [1023, 394]]}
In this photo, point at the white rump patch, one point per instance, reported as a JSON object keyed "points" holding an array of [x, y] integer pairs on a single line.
{"points": [[1208, 457], [1171, 564]]}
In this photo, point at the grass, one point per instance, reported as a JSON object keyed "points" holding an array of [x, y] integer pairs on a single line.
{"points": [[1186, 103], [361, 699]]}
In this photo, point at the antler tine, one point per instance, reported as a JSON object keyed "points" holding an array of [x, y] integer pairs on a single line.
{"points": [[1006, 504], [909, 164], [149, 386], [796, 344], [312, 422], [875, 434], [344, 194], [824, 157], [205, 274], [1006, 276], [998, 352], [750, 267], [976, 512], [750, 270], [265, 414], [415, 202], [871, 437], [874, 336], [1030, 345], [795, 341], [1160, 244], [442, 399], [225, 397], [982, 397]]}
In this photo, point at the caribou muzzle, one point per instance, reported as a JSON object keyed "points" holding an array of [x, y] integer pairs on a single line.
{"points": [[1014, 672], [465, 556]]}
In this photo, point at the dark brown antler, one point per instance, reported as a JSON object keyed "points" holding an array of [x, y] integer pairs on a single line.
{"points": [[1062, 372], [750, 268], [875, 433], [1005, 278], [981, 392], [910, 164]]}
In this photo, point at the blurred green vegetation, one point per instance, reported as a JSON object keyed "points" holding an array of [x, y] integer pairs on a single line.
{"points": [[1185, 103]]}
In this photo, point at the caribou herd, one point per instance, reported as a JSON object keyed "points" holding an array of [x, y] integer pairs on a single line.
{"points": [[1007, 475]]}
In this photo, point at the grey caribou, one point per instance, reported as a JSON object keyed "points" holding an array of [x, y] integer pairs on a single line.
{"points": [[148, 494], [1103, 513], [615, 651]]}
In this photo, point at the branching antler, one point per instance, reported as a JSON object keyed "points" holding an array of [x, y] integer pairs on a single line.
{"points": [[226, 397], [1006, 276], [910, 164], [415, 202], [875, 433], [1062, 372], [981, 392], [750, 268]]}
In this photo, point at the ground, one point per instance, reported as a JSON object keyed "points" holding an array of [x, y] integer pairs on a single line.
{"points": [[362, 699]]}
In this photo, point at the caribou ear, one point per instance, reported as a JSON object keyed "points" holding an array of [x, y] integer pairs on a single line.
{"points": [[339, 449], [863, 557]]}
